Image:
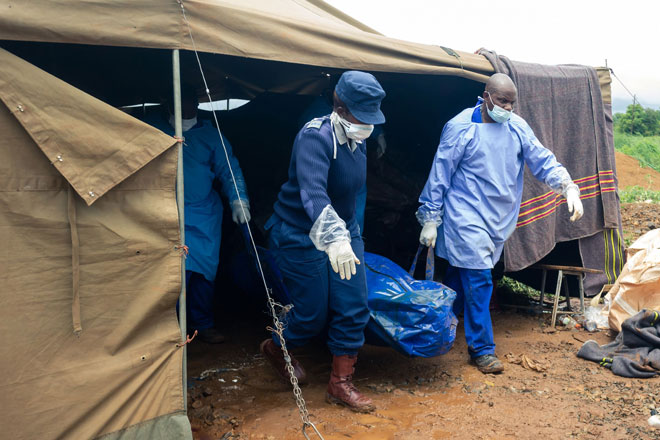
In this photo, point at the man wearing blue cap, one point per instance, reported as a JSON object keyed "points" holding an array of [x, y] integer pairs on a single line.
{"points": [[316, 239]]}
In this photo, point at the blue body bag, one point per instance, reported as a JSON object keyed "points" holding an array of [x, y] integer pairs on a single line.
{"points": [[414, 317]]}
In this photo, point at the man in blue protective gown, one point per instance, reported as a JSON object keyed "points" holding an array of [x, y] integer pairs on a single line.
{"points": [[316, 240], [472, 198], [204, 161]]}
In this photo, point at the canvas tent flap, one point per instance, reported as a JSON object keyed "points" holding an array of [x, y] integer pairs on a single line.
{"points": [[295, 31], [94, 146], [605, 80], [125, 368]]}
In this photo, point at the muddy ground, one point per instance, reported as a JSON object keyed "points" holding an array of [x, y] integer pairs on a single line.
{"points": [[439, 398]]}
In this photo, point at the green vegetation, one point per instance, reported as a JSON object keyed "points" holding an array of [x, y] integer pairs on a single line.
{"points": [[513, 292], [646, 149], [517, 287], [637, 134], [638, 120], [636, 194]]}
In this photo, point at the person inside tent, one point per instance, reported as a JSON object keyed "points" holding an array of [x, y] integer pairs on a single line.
{"points": [[316, 240], [471, 200], [204, 161], [322, 106]]}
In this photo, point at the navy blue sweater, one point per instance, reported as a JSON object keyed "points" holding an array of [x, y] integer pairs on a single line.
{"points": [[317, 180]]}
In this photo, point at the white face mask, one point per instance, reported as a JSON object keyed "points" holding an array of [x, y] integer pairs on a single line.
{"points": [[497, 114], [186, 124], [358, 132]]}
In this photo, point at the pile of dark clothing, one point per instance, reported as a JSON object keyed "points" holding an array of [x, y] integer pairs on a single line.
{"points": [[636, 350]]}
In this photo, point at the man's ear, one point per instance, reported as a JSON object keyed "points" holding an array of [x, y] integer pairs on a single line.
{"points": [[487, 98]]}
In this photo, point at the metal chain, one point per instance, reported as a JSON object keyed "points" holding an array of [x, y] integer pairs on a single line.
{"points": [[279, 327]]}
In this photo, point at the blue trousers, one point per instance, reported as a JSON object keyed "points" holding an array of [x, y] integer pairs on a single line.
{"points": [[199, 299], [320, 297], [473, 288]]}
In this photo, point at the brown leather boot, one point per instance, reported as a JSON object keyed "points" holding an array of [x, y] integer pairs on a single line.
{"points": [[341, 389], [275, 356]]}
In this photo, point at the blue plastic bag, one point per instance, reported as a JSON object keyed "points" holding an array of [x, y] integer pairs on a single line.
{"points": [[414, 317]]}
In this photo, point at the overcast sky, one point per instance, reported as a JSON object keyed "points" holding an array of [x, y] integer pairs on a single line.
{"points": [[549, 32]]}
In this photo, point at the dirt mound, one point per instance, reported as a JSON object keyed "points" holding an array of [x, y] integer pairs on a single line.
{"points": [[630, 173], [639, 218]]}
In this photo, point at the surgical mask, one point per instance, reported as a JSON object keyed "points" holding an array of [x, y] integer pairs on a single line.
{"points": [[186, 124], [498, 114], [358, 132]]}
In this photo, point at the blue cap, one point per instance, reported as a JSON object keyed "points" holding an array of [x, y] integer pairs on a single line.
{"points": [[362, 94]]}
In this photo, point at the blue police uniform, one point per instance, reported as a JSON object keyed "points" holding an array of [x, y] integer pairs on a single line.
{"points": [[314, 216], [204, 161], [319, 296], [318, 108], [474, 192]]}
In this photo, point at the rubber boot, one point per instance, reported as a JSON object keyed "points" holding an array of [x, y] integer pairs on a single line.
{"points": [[275, 356], [341, 389]]}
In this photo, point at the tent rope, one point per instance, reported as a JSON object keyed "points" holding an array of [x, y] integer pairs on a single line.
{"points": [[183, 250], [632, 95], [278, 326], [188, 340]]}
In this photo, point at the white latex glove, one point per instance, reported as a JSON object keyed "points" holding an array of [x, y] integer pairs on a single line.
{"points": [[574, 203], [429, 234], [342, 258], [238, 214]]}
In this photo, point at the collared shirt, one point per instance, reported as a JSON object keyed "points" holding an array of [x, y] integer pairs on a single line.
{"points": [[340, 134]]}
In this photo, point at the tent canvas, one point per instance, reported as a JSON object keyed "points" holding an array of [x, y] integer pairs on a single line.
{"points": [[90, 225], [293, 31], [127, 258]]}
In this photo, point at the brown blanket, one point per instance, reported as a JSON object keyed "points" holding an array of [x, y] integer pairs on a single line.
{"points": [[564, 107]]}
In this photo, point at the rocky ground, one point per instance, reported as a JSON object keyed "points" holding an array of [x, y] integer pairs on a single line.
{"points": [[639, 218], [545, 391]]}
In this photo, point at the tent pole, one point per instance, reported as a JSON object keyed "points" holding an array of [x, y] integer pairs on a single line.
{"points": [[178, 132]]}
